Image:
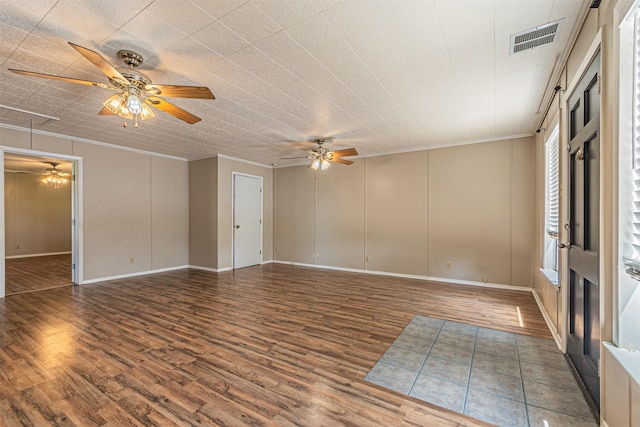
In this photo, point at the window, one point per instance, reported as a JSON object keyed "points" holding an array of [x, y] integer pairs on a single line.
{"points": [[629, 167], [628, 310], [635, 147], [552, 207]]}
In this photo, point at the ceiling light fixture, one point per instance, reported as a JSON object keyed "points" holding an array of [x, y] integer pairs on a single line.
{"points": [[53, 177], [322, 160], [129, 105]]}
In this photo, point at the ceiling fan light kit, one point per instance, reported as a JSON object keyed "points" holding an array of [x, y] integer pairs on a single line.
{"points": [[128, 105], [53, 177], [318, 163], [136, 91]]}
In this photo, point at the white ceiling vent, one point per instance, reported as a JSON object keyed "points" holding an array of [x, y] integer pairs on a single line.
{"points": [[534, 37]]}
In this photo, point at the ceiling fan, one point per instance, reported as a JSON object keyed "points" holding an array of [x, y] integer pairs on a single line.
{"points": [[321, 157], [55, 176], [136, 92]]}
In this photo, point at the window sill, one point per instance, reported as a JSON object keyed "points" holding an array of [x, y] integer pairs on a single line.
{"points": [[629, 359], [551, 275]]}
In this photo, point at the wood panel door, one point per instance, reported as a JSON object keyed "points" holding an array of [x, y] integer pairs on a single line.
{"points": [[247, 220], [583, 343]]}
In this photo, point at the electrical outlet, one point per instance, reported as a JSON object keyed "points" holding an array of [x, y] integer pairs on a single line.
{"points": [[449, 265], [17, 246], [131, 260], [484, 280], [366, 258]]}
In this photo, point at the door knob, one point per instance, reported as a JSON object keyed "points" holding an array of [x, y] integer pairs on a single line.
{"points": [[237, 226], [563, 245]]}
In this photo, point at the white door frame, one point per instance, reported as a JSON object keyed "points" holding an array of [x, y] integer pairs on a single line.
{"points": [[76, 212], [233, 215]]}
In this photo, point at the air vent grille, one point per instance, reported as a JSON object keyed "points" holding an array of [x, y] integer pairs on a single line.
{"points": [[538, 36]]}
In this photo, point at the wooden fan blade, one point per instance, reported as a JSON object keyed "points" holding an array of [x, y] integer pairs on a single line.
{"points": [[341, 161], [106, 112], [174, 110], [299, 157], [345, 152], [101, 63], [64, 79], [172, 91]]}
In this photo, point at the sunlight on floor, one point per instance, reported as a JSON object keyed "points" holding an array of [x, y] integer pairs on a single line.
{"points": [[520, 317]]}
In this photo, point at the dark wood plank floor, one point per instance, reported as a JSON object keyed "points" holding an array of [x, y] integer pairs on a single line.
{"points": [[267, 345], [37, 273]]}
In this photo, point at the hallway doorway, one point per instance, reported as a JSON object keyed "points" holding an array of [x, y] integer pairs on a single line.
{"points": [[39, 226]]}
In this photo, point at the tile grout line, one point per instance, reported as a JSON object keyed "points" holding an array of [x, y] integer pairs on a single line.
{"points": [[426, 356], [524, 395], [473, 355]]}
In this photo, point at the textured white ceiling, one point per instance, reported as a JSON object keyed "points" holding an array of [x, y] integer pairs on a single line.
{"points": [[382, 76]]}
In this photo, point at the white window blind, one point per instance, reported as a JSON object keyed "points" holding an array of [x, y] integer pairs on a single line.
{"points": [[632, 249], [553, 183], [635, 238]]}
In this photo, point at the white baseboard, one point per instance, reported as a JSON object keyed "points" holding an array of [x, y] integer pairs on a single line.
{"points": [[351, 270], [36, 255], [547, 319], [139, 273], [412, 276], [213, 270]]}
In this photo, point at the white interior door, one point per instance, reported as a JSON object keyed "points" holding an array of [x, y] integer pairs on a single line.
{"points": [[247, 220]]}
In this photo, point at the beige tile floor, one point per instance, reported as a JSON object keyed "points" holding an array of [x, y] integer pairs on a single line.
{"points": [[499, 377]]}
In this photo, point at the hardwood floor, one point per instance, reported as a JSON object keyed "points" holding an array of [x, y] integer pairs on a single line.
{"points": [[37, 273], [266, 345]]}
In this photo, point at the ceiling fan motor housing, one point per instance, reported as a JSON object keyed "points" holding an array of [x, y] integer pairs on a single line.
{"points": [[131, 58]]}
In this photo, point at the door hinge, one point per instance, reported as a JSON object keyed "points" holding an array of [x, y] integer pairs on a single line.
{"points": [[260, 252], [73, 266], [599, 85], [73, 222], [568, 148], [260, 221]]}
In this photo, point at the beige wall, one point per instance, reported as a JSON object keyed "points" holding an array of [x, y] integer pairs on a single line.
{"points": [[397, 207], [294, 208], [469, 208], [128, 205], [480, 212], [340, 217], [117, 211], [210, 210], [203, 213], [37, 216], [170, 208]]}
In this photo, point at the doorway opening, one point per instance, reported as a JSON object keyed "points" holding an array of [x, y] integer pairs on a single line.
{"points": [[40, 244]]}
